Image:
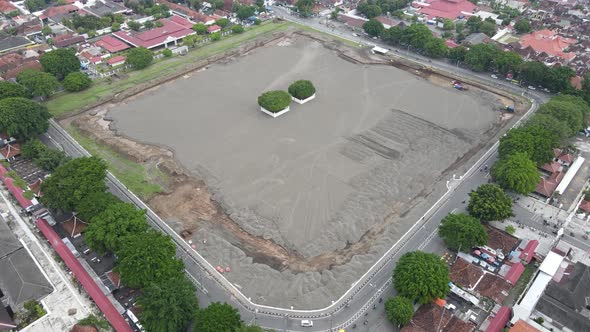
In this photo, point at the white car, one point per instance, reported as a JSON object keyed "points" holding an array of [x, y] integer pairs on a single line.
{"points": [[494, 76], [532, 87], [306, 323]]}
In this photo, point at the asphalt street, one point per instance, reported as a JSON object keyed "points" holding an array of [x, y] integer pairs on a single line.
{"points": [[356, 305]]}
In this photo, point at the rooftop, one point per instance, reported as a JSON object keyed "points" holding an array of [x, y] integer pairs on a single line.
{"points": [[430, 315], [500, 320], [549, 42], [500, 240], [465, 274], [450, 9], [20, 278], [528, 252], [514, 273], [10, 42], [567, 301], [167, 33], [494, 287], [522, 326], [10, 150]]}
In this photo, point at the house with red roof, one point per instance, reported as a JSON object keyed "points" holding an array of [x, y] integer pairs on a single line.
{"points": [[213, 28], [451, 9], [548, 42], [10, 151], [169, 33], [6, 7], [514, 273], [563, 158], [499, 320], [182, 21], [585, 206], [112, 44], [187, 12], [528, 252], [116, 61], [547, 186], [551, 167]]}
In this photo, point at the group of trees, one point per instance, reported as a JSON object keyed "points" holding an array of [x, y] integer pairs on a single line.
{"points": [[481, 57], [44, 157], [461, 231], [139, 57], [146, 259], [418, 277], [58, 65], [525, 148], [373, 8]]}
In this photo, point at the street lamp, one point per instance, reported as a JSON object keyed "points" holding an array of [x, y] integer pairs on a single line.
{"points": [[255, 313], [331, 320]]}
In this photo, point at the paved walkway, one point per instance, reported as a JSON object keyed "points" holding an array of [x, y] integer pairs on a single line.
{"points": [[67, 304]]}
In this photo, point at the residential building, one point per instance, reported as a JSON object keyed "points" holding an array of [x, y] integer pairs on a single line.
{"points": [[168, 34], [548, 42], [451, 9]]}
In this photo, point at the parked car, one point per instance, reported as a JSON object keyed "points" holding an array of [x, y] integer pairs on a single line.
{"points": [[532, 87], [494, 77], [306, 323]]}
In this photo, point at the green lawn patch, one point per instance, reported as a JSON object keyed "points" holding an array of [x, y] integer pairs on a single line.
{"points": [[135, 176], [64, 103]]}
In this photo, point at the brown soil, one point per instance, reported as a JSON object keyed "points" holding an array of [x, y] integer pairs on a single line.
{"points": [[188, 200]]}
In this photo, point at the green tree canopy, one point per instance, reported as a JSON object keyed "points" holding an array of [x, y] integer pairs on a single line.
{"points": [[305, 7], [373, 27], [8, 90], [557, 128], [523, 26], [516, 172], [481, 57], [571, 110], [274, 101], [560, 79], [457, 53], [95, 203], [222, 22], [39, 84], [535, 141], [369, 10], [238, 28], [139, 57], [399, 310], [462, 232], [116, 221], [60, 62], [168, 306], [249, 328], [217, 317], [535, 73], [243, 12], [489, 202], [392, 35], [32, 148], [146, 258], [436, 48], [51, 159], [23, 118], [73, 181], [508, 62], [200, 28], [421, 276], [77, 81], [301, 89], [488, 28]]}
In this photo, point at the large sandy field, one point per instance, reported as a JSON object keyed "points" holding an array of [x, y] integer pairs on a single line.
{"points": [[339, 179]]}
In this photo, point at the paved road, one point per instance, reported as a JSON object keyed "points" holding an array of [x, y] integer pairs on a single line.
{"points": [[365, 293]]}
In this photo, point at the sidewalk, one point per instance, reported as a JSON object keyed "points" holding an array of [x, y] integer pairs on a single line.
{"points": [[66, 305]]}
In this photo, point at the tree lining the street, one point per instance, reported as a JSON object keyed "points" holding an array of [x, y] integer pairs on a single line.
{"points": [[421, 276], [461, 232], [489, 202]]}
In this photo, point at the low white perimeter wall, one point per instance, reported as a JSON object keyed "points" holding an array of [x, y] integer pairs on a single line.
{"points": [[274, 115], [301, 102]]}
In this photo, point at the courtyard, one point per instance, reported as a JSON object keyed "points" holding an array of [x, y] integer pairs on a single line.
{"points": [[339, 179]]}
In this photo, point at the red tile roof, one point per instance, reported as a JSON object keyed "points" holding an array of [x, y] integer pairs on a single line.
{"points": [[213, 28], [112, 44], [10, 150], [451, 44], [464, 274], [549, 42], [352, 21], [108, 309], [117, 59], [546, 187], [551, 167], [115, 278], [576, 82], [514, 273], [528, 252], [195, 15], [60, 10], [35, 187], [7, 7], [182, 21], [74, 226], [500, 320], [430, 315], [84, 328], [13, 73], [167, 33], [566, 158], [522, 326], [450, 9], [494, 287]]}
